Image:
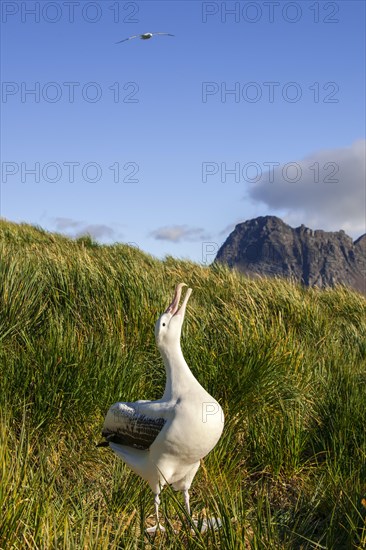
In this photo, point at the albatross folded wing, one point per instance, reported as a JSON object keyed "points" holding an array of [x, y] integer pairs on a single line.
{"points": [[124, 425]]}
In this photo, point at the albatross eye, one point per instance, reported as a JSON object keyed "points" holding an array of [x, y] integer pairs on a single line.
{"points": [[163, 324]]}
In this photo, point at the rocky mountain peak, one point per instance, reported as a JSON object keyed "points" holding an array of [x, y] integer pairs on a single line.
{"points": [[268, 246]]}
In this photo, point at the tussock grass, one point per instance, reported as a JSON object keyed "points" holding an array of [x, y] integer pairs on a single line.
{"points": [[287, 364]]}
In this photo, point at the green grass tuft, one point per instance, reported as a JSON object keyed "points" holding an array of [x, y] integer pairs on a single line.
{"points": [[287, 364]]}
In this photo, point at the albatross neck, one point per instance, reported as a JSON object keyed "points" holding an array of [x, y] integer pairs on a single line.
{"points": [[178, 375]]}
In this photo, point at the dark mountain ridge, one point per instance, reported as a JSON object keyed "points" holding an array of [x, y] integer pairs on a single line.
{"points": [[268, 246]]}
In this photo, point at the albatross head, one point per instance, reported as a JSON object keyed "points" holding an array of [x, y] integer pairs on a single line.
{"points": [[169, 325]]}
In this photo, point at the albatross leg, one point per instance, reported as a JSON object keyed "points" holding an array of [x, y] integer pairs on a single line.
{"points": [[186, 501], [188, 508], [209, 523], [158, 526]]}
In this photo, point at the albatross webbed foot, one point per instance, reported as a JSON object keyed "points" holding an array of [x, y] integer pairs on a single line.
{"points": [[155, 529], [158, 526], [208, 523]]}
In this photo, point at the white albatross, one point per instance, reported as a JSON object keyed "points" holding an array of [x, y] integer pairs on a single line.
{"points": [[144, 36], [163, 441]]}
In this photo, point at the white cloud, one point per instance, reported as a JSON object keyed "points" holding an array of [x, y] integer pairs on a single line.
{"points": [[66, 224], [315, 199], [178, 233], [77, 228], [97, 231]]}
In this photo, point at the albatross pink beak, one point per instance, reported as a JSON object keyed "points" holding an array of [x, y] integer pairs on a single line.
{"points": [[173, 308]]}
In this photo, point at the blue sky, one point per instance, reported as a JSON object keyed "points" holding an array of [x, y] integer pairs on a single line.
{"points": [[252, 108]]}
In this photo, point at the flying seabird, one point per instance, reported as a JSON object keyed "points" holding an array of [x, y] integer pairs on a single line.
{"points": [[144, 36], [163, 441]]}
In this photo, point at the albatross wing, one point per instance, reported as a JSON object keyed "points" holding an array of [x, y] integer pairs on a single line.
{"points": [[129, 38], [126, 425]]}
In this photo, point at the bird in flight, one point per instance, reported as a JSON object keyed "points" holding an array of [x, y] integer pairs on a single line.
{"points": [[144, 36]]}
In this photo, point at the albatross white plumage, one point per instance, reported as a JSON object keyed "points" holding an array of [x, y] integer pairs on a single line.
{"points": [[144, 36], [163, 441]]}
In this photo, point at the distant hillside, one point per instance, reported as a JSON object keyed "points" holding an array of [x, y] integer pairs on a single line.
{"points": [[285, 361], [268, 246]]}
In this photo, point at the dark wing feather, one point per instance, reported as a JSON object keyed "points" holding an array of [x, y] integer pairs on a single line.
{"points": [[125, 39], [128, 427]]}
